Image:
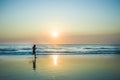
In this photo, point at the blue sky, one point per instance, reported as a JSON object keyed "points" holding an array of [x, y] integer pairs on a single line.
{"points": [[35, 19]]}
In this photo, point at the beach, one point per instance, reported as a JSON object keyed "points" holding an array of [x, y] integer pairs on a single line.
{"points": [[59, 39], [60, 67]]}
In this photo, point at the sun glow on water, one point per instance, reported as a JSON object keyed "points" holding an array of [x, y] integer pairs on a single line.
{"points": [[55, 59]]}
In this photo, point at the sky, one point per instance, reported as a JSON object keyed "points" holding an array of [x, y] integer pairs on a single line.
{"points": [[75, 21]]}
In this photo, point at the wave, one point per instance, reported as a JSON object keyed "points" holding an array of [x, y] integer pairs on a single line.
{"points": [[8, 49], [60, 49], [57, 52]]}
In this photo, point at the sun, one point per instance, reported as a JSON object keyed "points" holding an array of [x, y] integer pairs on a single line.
{"points": [[55, 34]]}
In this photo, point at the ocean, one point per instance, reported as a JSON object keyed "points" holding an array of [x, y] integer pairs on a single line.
{"points": [[60, 49], [60, 62]]}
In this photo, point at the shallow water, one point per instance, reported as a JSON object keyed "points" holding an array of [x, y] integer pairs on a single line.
{"points": [[60, 67], [67, 49]]}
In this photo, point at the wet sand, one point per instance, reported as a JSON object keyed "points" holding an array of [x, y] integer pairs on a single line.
{"points": [[60, 67]]}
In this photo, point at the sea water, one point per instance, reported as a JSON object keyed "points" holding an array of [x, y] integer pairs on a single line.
{"points": [[74, 49], [60, 62]]}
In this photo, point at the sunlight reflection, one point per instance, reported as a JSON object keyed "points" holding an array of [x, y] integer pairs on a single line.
{"points": [[55, 59]]}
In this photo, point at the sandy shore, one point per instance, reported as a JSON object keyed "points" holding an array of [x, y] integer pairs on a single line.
{"points": [[60, 67]]}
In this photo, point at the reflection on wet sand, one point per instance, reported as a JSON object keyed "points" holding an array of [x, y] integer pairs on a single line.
{"points": [[54, 61], [34, 63], [60, 67]]}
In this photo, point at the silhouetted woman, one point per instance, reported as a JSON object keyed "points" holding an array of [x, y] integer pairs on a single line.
{"points": [[34, 50]]}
